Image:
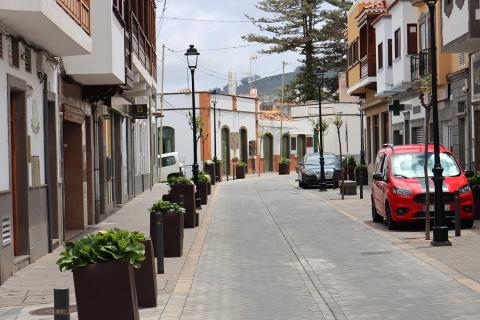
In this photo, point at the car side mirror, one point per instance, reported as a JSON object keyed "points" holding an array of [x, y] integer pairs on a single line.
{"points": [[469, 173], [378, 176]]}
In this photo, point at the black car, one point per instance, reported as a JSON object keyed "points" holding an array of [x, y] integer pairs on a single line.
{"points": [[309, 170]]}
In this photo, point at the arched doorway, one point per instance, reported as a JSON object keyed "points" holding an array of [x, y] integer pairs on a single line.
{"points": [[243, 145], [286, 146], [168, 139], [226, 150], [268, 153], [301, 147]]}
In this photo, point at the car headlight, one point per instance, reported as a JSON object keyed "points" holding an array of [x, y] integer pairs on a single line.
{"points": [[466, 188], [402, 191]]}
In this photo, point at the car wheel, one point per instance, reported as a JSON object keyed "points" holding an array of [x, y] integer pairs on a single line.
{"points": [[391, 224], [300, 183], [375, 216], [467, 224]]}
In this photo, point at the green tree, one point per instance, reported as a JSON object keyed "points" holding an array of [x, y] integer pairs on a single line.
{"points": [[302, 26], [338, 123]]}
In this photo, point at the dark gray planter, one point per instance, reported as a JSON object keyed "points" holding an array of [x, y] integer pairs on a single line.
{"points": [[188, 193]]}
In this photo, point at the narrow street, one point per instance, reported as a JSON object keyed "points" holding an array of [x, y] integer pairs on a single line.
{"points": [[274, 251]]}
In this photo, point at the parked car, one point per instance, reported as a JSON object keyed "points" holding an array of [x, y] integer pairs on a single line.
{"points": [[172, 166], [398, 188], [309, 170]]}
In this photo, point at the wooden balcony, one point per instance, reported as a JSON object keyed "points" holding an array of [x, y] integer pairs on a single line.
{"points": [[78, 10], [142, 47], [367, 66]]}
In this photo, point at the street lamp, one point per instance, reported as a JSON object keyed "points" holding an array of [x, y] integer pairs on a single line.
{"points": [[319, 77], [361, 102], [192, 60], [214, 97], [440, 229]]}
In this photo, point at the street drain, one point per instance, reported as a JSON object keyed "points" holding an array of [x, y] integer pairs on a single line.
{"points": [[373, 253], [50, 311]]}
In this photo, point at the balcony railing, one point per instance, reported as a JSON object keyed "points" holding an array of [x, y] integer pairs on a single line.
{"points": [[142, 47], [78, 10], [420, 65], [363, 67]]}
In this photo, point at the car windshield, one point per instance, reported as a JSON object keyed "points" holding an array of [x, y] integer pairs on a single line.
{"points": [[410, 165], [314, 159]]}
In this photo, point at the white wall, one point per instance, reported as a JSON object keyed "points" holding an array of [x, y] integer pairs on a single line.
{"points": [[456, 25], [106, 63], [177, 107], [383, 32], [403, 13], [351, 119], [34, 111]]}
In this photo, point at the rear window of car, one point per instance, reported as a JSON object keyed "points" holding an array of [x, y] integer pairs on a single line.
{"points": [[410, 165], [168, 161]]}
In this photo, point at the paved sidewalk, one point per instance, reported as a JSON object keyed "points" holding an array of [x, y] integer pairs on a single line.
{"points": [[461, 261], [32, 288]]}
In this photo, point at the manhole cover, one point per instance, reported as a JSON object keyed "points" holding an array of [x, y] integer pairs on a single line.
{"points": [[50, 311], [373, 253]]}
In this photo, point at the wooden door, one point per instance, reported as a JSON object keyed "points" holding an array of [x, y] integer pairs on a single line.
{"points": [[301, 147], [13, 154], [226, 150], [268, 153]]}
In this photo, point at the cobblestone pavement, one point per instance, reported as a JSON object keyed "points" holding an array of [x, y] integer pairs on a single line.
{"points": [[274, 251]]}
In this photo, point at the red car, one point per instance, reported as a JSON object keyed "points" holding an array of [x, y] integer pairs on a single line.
{"points": [[398, 189]]}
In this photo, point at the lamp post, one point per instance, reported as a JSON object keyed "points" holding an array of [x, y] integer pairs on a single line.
{"points": [[214, 97], [319, 77], [192, 59], [362, 139], [440, 229]]}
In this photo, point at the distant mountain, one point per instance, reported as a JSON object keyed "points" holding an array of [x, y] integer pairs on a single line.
{"points": [[268, 87]]}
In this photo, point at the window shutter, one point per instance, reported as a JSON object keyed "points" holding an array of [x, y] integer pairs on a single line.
{"points": [[412, 39], [398, 44], [389, 52], [380, 56]]}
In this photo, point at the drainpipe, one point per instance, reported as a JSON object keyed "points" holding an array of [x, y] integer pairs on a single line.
{"points": [[47, 163], [470, 114]]}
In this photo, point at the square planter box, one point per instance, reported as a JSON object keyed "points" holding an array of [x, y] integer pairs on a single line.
{"points": [[188, 193], [106, 291], [146, 280], [240, 172], [209, 188], [364, 178], [210, 169], [218, 171], [172, 234], [203, 192], [283, 168]]}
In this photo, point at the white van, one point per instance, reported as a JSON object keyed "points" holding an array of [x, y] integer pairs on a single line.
{"points": [[171, 166]]}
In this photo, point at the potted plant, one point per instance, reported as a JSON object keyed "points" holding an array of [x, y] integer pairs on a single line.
{"points": [[102, 266], [284, 166], [350, 165], [209, 167], [172, 218], [184, 186], [363, 169], [203, 180], [241, 170], [475, 185]]}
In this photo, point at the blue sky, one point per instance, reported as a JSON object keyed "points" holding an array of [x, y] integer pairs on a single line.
{"points": [[177, 35]]}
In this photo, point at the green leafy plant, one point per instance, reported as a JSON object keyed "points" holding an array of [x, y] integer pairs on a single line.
{"points": [[179, 180], [242, 164], [352, 162], [102, 247], [284, 161], [204, 177], [163, 206]]}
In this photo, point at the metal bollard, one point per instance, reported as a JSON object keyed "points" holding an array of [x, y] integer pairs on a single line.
{"points": [[234, 175], [360, 177], [159, 243], [61, 304], [458, 225]]}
